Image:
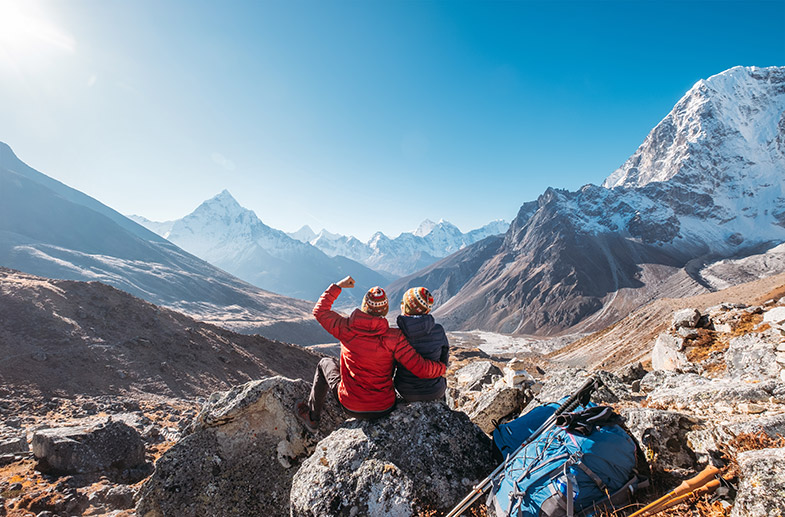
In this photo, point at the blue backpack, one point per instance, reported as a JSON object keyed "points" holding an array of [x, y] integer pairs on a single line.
{"points": [[585, 462]]}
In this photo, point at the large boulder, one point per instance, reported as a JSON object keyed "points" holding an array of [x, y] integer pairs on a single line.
{"points": [[762, 487], [700, 394], [239, 455], [495, 405], [421, 458], [667, 353], [754, 356], [477, 375], [708, 442], [662, 435], [686, 318], [14, 445], [563, 383], [105, 446]]}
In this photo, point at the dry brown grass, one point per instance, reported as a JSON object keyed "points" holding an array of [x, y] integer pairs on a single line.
{"points": [[747, 323]]}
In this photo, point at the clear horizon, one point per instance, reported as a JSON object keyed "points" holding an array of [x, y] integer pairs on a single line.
{"points": [[350, 116]]}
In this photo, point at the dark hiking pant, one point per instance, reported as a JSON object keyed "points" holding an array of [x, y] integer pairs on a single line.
{"points": [[327, 378], [427, 397]]}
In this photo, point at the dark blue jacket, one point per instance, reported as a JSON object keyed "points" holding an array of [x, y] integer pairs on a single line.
{"points": [[430, 341]]}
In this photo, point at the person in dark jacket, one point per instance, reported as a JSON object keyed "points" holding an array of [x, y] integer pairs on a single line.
{"points": [[428, 338]]}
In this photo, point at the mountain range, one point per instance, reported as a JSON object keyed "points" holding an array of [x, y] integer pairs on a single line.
{"points": [[52, 230], [705, 185], [233, 238], [405, 254]]}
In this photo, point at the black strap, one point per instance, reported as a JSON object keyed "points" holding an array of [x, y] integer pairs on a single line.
{"points": [[583, 422]]}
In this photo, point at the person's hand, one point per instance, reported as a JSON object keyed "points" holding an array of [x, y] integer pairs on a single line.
{"points": [[346, 282]]}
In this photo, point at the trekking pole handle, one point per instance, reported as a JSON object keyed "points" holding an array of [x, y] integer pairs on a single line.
{"points": [[572, 402]]}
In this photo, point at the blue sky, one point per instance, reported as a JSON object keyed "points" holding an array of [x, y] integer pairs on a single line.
{"points": [[354, 116]]}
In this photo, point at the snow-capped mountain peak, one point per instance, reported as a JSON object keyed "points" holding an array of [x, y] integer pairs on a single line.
{"points": [[425, 228], [732, 119], [304, 234]]}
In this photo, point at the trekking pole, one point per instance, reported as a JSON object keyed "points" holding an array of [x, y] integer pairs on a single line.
{"points": [[708, 488], [687, 487], [580, 396]]}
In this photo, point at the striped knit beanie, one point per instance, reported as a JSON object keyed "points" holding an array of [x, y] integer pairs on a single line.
{"points": [[375, 302], [417, 300]]}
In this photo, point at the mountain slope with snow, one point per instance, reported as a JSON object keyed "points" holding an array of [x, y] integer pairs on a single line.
{"points": [[410, 251], [233, 238], [52, 230], [707, 183]]}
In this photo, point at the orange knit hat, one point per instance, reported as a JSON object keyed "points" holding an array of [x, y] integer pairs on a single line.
{"points": [[417, 300]]}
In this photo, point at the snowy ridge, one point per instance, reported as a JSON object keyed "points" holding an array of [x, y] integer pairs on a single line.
{"points": [[229, 236], [713, 171], [708, 183], [410, 251]]}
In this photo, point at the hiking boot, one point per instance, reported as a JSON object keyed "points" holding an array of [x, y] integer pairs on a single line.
{"points": [[303, 414]]}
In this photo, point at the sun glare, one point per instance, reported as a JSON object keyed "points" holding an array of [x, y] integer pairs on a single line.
{"points": [[26, 32]]}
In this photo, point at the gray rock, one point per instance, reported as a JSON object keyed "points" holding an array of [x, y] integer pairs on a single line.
{"points": [[686, 318], [476, 375], [775, 315], [119, 497], [667, 354], [762, 487], [688, 333], [630, 373], [752, 357], [14, 445], [722, 327], [563, 383], [706, 442], [496, 404], [97, 448], [423, 456], [700, 394], [239, 456], [662, 435]]}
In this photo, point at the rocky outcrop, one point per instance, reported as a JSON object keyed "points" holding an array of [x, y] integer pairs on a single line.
{"points": [[762, 488], [239, 455], [79, 450], [422, 457], [667, 353], [662, 435]]}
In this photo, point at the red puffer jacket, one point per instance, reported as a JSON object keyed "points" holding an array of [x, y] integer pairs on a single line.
{"points": [[369, 349]]}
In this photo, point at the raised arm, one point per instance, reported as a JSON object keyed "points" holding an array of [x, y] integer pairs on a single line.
{"points": [[332, 322]]}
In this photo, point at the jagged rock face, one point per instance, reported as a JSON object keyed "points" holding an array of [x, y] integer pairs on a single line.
{"points": [[421, 457], [240, 455], [708, 181], [762, 488]]}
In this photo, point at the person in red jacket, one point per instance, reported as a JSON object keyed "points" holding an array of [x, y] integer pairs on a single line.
{"points": [[362, 379]]}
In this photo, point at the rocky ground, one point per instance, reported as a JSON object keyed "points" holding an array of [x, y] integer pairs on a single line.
{"points": [[711, 390]]}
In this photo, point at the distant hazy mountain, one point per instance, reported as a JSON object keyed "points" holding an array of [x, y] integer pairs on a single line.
{"points": [[405, 254], [52, 230], [233, 238], [707, 183]]}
